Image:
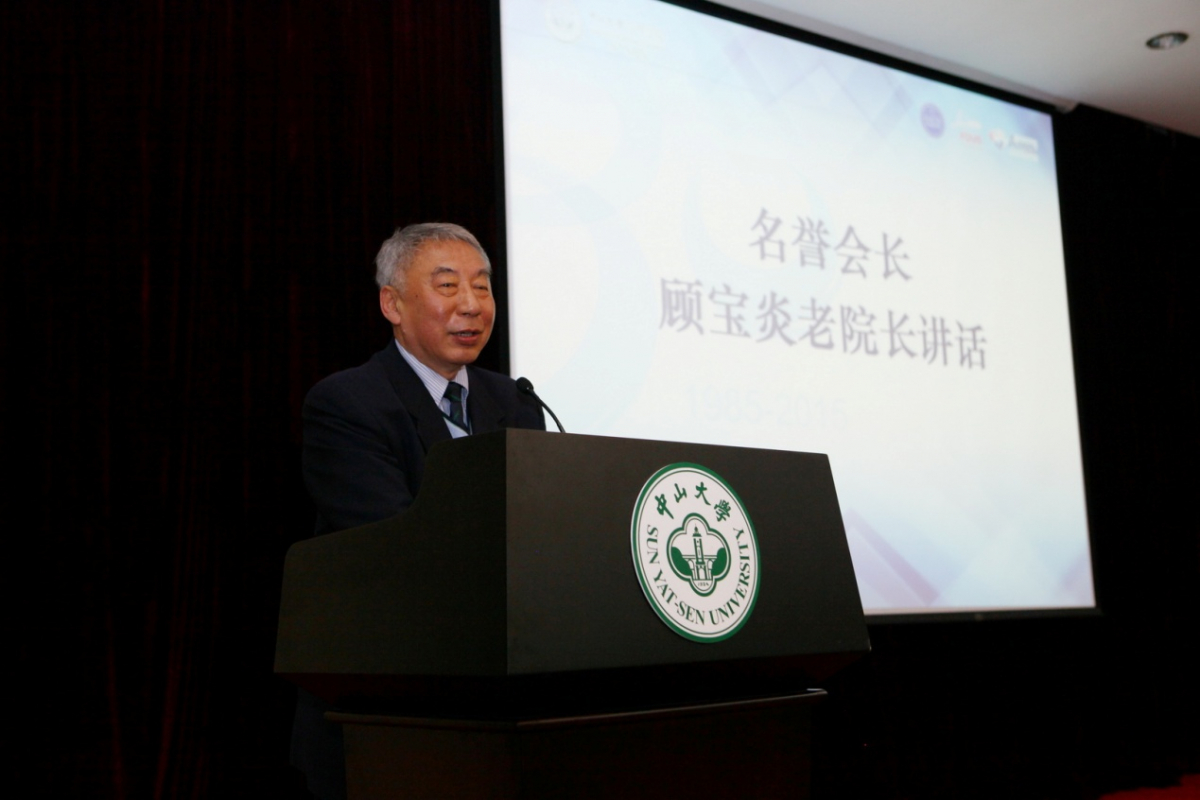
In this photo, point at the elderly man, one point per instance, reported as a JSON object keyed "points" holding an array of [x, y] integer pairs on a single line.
{"points": [[367, 429]]}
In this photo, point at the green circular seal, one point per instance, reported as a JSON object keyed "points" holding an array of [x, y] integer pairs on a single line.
{"points": [[695, 552]]}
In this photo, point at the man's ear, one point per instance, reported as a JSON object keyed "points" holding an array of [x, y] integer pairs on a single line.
{"points": [[389, 304]]}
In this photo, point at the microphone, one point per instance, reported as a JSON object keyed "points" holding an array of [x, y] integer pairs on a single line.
{"points": [[525, 386]]}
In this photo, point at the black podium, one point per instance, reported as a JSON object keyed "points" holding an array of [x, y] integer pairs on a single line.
{"points": [[495, 639]]}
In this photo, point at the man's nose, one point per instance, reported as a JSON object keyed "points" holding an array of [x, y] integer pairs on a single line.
{"points": [[468, 303]]}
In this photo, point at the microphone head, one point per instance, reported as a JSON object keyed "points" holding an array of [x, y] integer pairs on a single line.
{"points": [[524, 385]]}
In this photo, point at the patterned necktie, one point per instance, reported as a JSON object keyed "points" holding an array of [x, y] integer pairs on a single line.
{"points": [[454, 393]]}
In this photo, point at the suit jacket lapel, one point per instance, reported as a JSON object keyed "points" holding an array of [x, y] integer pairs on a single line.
{"points": [[431, 426], [486, 413]]}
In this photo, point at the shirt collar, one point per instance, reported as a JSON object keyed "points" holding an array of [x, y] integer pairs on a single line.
{"points": [[434, 382]]}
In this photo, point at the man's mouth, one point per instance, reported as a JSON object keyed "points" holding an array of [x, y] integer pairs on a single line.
{"points": [[466, 336]]}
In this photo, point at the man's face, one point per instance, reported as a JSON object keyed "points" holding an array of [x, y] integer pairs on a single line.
{"points": [[444, 314]]}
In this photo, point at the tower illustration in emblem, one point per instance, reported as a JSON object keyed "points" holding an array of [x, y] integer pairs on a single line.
{"points": [[708, 562]]}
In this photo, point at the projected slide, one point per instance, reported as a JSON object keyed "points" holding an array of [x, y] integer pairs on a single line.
{"points": [[717, 234]]}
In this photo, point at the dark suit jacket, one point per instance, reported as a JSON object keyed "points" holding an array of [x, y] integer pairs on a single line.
{"points": [[366, 433], [367, 430]]}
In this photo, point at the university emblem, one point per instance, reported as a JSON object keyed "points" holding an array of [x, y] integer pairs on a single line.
{"points": [[695, 552]]}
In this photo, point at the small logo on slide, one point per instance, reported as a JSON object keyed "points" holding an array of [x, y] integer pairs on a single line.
{"points": [[563, 20], [932, 120], [1025, 147], [969, 130], [695, 552]]}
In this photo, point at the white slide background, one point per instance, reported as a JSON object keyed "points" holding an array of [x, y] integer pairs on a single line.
{"points": [[717, 234]]}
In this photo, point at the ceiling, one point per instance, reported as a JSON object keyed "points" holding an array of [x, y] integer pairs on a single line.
{"points": [[1063, 52]]}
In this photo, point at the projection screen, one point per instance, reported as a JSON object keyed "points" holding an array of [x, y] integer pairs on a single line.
{"points": [[720, 234]]}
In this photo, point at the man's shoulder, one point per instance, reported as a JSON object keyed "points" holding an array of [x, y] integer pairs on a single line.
{"points": [[513, 408], [493, 380]]}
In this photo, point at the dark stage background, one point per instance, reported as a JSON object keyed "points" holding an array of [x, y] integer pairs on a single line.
{"points": [[195, 193]]}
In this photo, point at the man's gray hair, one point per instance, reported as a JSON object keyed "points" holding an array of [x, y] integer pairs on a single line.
{"points": [[397, 253]]}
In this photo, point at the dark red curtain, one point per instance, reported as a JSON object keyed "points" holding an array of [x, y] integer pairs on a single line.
{"points": [[195, 195], [195, 192]]}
